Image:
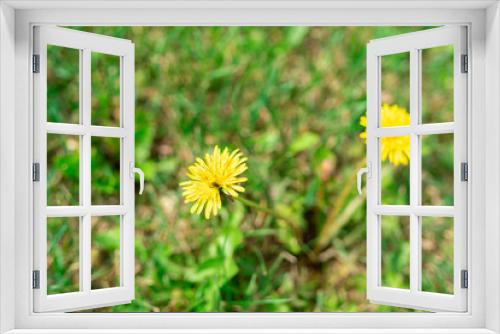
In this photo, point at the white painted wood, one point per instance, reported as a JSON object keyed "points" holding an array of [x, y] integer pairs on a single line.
{"points": [[87, 297], [78, 211], [414, 43], [460, 151], [492, 187], [479, 255], [39, 188], [415, 171], [106, 131], [7, 168], [372, 183], [80, 129], [85, 182], [419, 210], [250, 4], [421, 300], [74, 301], [417, 129], [260, 331], [469, 322], [127, 101], [258, 16], [84, 40]]}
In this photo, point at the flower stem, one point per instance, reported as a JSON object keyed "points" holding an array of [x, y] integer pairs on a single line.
{"points": [[330, 228], [269, 211]]}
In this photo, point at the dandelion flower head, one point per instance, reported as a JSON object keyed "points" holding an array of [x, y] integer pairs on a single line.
{"points": [[394, 149], [218, 174]]}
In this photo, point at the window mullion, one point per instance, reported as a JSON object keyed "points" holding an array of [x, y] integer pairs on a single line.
{"points": [[415, 171], [85, 241]]}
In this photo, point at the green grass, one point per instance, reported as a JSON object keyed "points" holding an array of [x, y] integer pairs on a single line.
{"points": [[290, 98]]}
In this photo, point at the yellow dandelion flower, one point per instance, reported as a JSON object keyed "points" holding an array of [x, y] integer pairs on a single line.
{"points": [[219, 173], [394, 149]]}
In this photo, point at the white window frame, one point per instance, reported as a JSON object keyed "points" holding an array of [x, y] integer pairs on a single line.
{"points": [[413, 44], [16, 20], [86, 44]]}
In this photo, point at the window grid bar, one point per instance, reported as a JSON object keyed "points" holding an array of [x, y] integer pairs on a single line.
{"points": [[419, 210], [80, 211], [418, 129], [80, 130], [415, 175], [123, 174], [86, 210], [82, 237], [418, 163], [85, 250], [377, 171]]}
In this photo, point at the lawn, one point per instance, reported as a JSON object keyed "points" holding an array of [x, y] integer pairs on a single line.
{"points": [[291, 99]]}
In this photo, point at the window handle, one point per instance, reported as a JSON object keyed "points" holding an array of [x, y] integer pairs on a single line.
{"points": [[365, 170], [134, 170]]}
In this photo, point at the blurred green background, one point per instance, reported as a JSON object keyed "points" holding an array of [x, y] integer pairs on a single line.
{"points": [[290, 98]]}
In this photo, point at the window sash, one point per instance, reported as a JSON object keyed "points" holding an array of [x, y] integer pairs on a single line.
{"points": [[414, 297], [86, 43]]}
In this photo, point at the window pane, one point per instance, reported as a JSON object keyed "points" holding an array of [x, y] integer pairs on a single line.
{"points": [[395, 86], [105, 77], [105, 252], [437, 254], [63, 169], [63, 255], [63, 87], [105, 172], [395, 232], [395, 170], [437, 169], [437, 84]]}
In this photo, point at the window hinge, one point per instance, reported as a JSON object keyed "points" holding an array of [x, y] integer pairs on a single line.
{"points": [[465, 64], [464, 279], [464, 171], [36, 279], [36, 63], [36, 172]]}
